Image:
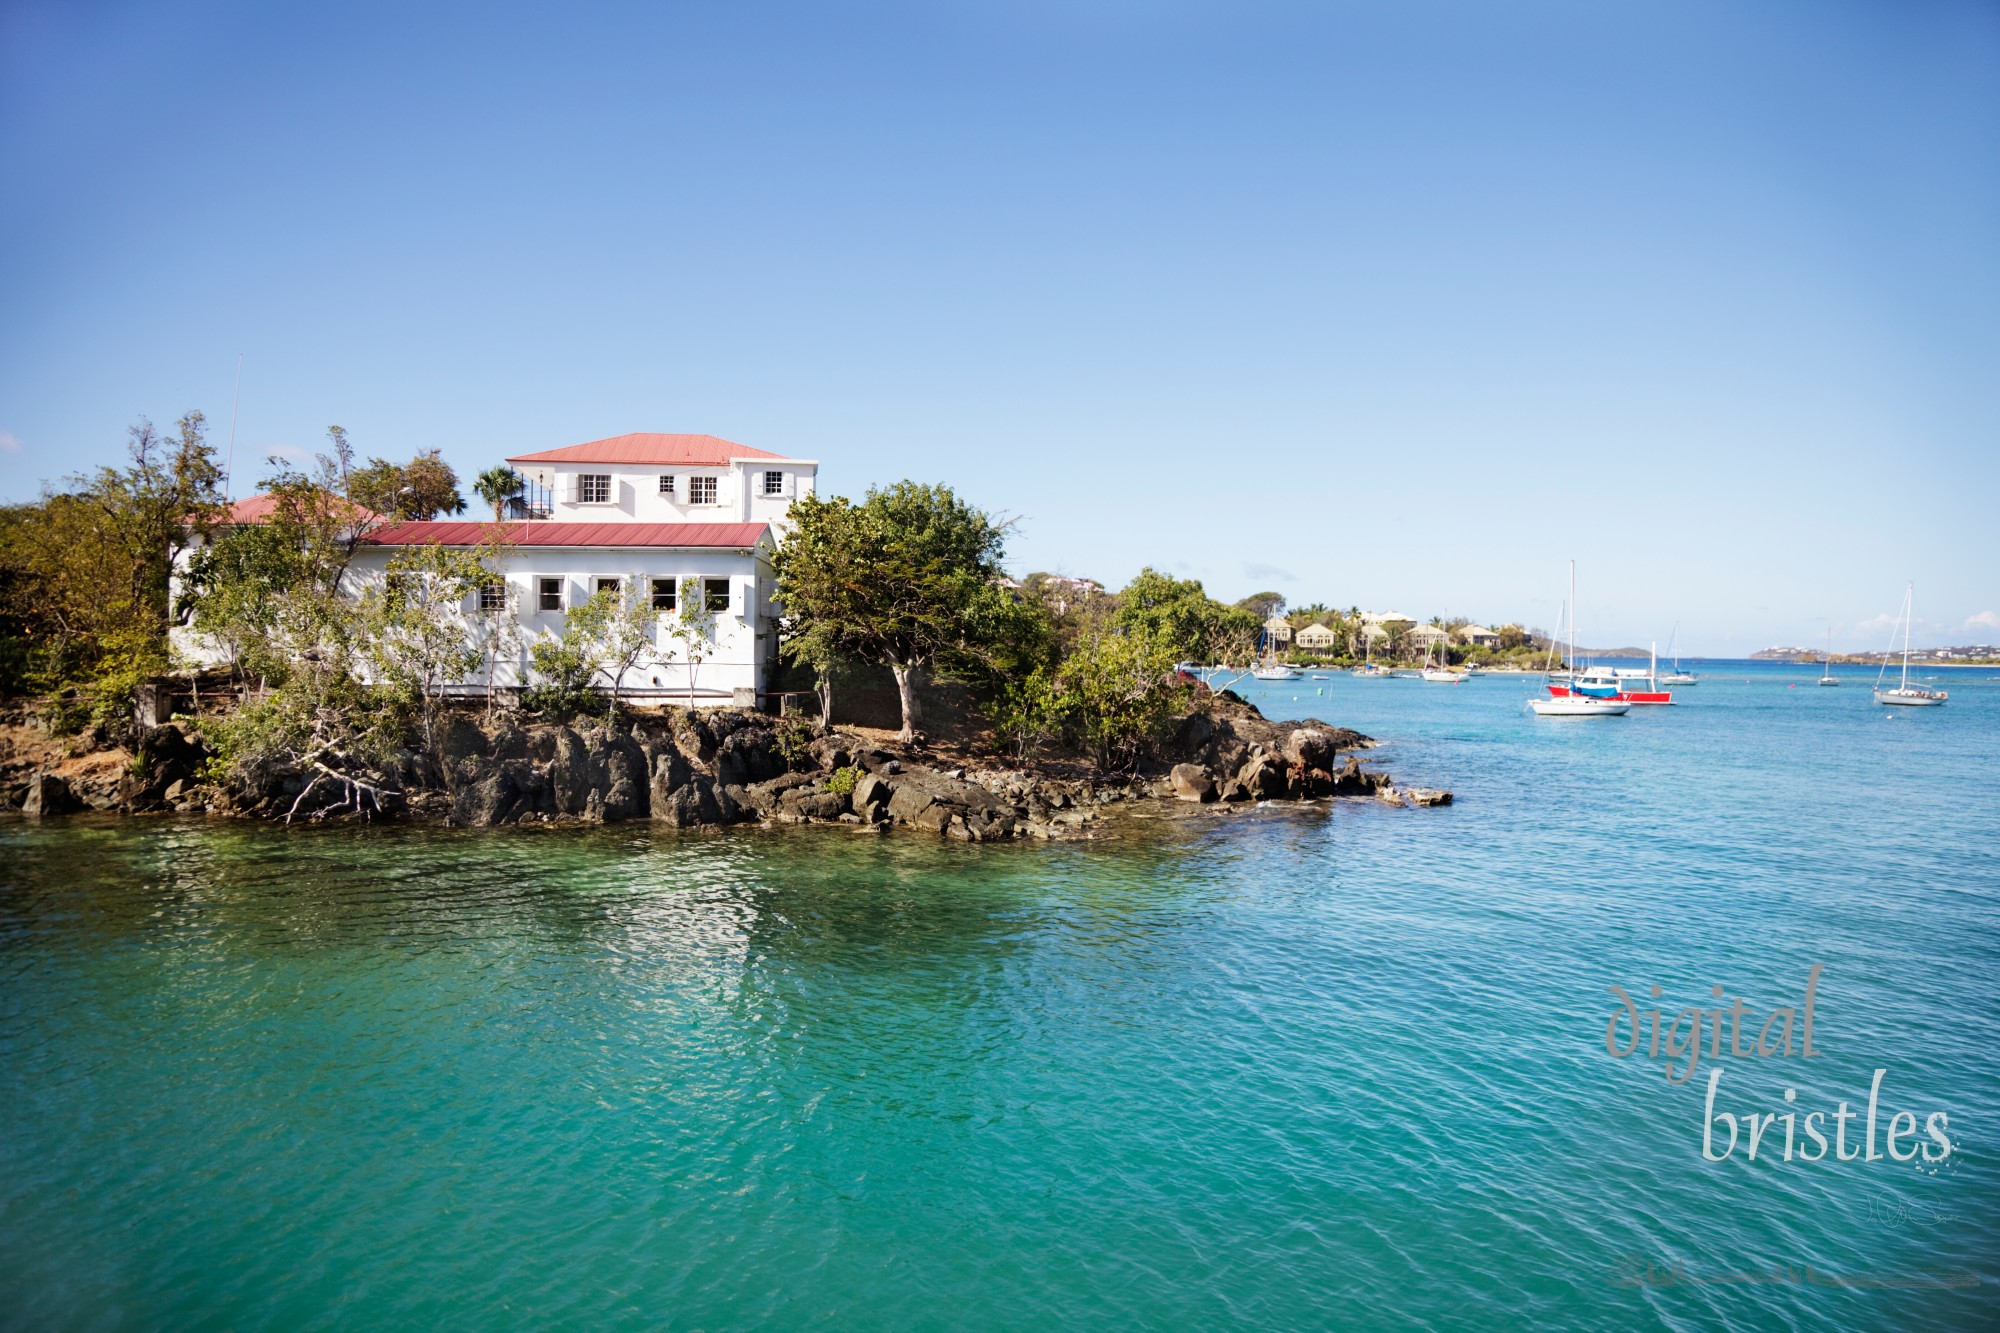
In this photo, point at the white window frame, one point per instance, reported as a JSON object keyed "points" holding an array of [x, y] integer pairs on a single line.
{"points": [[610, 487], [667, 484], [709, 584], [492, 596], [542, 582], [700, 486], [615, 582], [673, 595], [774, 486]]}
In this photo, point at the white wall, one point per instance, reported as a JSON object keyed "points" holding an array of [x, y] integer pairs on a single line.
{"points": [[740, 646], [636, 497]]}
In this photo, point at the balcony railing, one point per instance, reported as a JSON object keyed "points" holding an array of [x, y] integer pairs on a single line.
{"points": [[534, 502]]}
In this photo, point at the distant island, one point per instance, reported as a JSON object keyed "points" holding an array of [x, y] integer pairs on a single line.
{"points": [[1973, 654]]}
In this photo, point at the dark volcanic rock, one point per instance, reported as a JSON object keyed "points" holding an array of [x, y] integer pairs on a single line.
{"points": [[48, 794], [569, 772], [747, 756], [1310, 747], [700, 801], [462, 739], [762, 798], [627, 785], [1191, 782], [501, 795], [813, 803], [1267, 777], [870, 797]]}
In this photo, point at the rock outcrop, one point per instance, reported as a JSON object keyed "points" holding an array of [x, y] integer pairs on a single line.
{"points": [[685, 770], [47, 795]]}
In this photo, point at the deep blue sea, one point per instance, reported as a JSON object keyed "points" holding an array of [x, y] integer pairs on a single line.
{"points": [[1291, 1068]]}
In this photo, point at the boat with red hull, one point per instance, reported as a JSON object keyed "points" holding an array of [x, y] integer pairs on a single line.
{"points": [[1631, 685]]}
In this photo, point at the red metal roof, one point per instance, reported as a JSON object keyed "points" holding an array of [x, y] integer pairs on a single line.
{"points": [[648, 450], [259, 508], [251, 509], [547, 533]]}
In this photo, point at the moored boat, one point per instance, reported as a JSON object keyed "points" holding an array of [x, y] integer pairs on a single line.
{"points": [[1907, 695], [1676, 676], [1577, 705], [1563, 701]]}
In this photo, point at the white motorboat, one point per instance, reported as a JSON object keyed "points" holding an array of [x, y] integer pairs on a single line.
{"points": [[1564, 701], [1906, 694], [1274, 671]]}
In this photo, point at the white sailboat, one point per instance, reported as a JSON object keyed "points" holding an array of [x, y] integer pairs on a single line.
{"points": [[1368, 670], [1270, 667], [1569, 703], [1826, 662], [1906, 694], [1441, 674], [1677, 676]]}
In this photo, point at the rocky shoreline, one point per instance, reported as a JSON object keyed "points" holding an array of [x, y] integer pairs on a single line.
{"points": [[708, 768]]}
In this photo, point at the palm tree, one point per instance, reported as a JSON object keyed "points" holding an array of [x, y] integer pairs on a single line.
{"points": [[496, 486]]}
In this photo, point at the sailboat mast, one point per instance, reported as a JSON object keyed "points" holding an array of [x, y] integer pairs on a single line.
{"points": [[1909, 614], [1572, 619]]}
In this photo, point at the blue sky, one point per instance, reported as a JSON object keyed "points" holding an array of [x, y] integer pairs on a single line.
{"points": [[1399, 305]]}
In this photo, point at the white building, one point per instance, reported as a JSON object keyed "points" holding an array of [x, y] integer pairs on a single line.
{"points": [[636, 511], [661, 479], [1316, 636], [1479, 636]]}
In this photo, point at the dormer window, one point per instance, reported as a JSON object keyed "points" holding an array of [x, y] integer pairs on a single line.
{"points": [[593, 488], [701, 490], [774, 483]]}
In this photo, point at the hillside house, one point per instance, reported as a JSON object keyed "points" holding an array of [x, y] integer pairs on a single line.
{"points": [[650, 511]]}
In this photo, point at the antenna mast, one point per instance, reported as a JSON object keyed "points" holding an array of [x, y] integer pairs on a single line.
{"points": [[229, 471]]}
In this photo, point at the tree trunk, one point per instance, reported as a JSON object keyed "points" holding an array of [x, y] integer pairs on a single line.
{"points": [[824, 687], [906, 688]]}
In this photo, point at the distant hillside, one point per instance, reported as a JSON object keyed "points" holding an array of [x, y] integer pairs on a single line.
{"points": [[1968, 652]]}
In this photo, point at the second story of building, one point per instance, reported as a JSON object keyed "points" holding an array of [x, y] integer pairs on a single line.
{"points": [[648, 478]]}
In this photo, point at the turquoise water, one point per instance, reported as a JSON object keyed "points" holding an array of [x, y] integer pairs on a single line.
{"points": [[1297, 1070]]}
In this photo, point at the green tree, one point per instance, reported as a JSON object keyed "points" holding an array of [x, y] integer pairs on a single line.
{"points": [[266, 592], [496, 486], [416, 638], [690, 630], [1263, 605], [420, 489], [905, 578], [619, 619], [495, 618], [1114, 694], [86, 571], [1180, 615]]}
